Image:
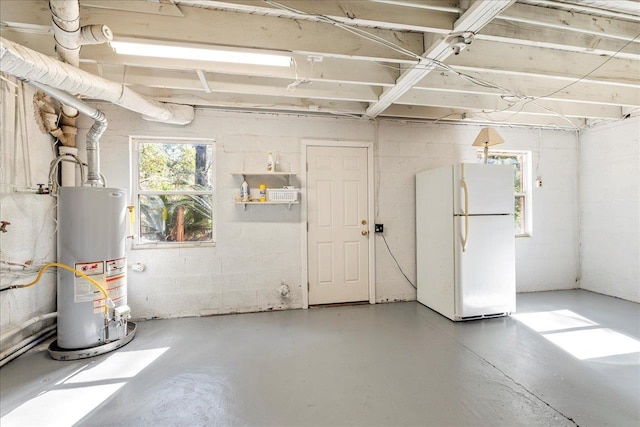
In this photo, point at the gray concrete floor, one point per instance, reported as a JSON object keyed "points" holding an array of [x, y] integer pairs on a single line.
{"points": [[395, 364]]}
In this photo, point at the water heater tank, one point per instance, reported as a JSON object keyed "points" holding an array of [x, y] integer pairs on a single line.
{"points": [[91, 239]]}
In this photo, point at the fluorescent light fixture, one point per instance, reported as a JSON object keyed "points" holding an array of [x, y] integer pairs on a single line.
{"points": [[158, 50]]}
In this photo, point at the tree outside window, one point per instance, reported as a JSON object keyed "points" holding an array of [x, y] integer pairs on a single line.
{"points": [[173, 185]]}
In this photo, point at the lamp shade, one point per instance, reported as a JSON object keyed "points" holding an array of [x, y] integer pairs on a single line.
{"points": [[488, 137]]}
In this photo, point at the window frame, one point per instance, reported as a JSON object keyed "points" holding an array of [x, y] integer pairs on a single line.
{"points": [[525, 179], [136, 191]]}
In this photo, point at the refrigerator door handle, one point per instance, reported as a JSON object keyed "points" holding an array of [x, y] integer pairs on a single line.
{"points": [[466, 214]]}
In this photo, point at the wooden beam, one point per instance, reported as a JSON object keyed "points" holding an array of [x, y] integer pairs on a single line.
{"points": [[35, 13], [42, 43], [475, 116], [491, 102], [535, 86], [528, 60], [222, 83], [582, 7], [525, 34], [547, 14], [213, 27], [473, 20], [258, 102], [147, 7], [337, 70], [353, 13], [570, 21]]}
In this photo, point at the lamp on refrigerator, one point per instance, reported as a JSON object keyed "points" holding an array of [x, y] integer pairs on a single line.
{"points": [[487, 138]]}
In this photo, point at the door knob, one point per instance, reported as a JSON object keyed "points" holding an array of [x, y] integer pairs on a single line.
{"points": [[365, 232]]}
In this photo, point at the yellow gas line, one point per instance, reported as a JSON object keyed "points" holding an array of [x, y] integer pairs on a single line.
{"points": [[73, 270]]}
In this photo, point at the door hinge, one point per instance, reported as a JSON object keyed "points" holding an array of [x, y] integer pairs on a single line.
{"points": [[307, 227]]}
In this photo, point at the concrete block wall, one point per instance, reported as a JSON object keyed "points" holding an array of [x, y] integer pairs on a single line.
{"points": [[610, 203], [259, 248], [546, 260]]}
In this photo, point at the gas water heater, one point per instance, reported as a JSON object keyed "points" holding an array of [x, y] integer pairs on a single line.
{"points": [[91, 239]]}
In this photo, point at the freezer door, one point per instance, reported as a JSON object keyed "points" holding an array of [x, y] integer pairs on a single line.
{"points": [[485, 275], [489, 189]]}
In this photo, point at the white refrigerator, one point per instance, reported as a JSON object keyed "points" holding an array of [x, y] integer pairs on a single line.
{"points": [[465, 240]]}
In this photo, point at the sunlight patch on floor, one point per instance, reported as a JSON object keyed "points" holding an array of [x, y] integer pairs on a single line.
{"points": [[547, 321], [593, 343], [577, 335], [76, 396]]}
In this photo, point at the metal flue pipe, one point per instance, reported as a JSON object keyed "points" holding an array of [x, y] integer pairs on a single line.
{"points": [[93, 136]]}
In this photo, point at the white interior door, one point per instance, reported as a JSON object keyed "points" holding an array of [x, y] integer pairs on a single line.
{"points": [[337, 213]]}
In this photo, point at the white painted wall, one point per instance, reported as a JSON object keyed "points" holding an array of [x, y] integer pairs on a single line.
{"points": [[610, 203], [24, 161], [259, 248], [547, 260]]}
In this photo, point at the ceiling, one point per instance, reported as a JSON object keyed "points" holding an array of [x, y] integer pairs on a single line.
{"points": [[567, 64]]}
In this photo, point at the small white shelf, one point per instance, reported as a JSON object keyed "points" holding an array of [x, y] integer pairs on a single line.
{"points": [[263, 173], [265, 203]]}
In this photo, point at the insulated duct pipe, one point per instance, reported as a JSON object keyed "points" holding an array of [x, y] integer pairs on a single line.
{"points": [[93, 136], [66, 32], [69, 37], [27, 64]]}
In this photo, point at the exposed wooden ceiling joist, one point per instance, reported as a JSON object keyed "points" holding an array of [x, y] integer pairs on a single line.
{"points": [[472, 20], [560, 52], [477, 116]]}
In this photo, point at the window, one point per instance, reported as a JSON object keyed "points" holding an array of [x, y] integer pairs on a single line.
{"points": [[521, 184], [173, 191]]}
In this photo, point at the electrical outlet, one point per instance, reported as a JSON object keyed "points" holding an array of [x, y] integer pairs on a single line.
{"points": [[138, 267], [379, 228]]}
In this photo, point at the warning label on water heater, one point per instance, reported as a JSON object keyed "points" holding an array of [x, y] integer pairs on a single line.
{"points": [[116, 279], [110, 274], [87, 291]]}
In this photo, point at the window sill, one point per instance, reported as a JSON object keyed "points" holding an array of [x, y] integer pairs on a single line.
{"points": [[137, 246]]}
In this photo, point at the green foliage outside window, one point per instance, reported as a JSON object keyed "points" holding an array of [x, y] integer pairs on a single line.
{"points": [[175, 192]]}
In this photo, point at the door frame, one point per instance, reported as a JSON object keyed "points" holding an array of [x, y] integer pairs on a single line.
{"points": [[303, 211]]}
